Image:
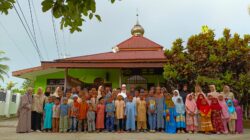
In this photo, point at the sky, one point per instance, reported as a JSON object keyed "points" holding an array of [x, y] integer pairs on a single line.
{"points": [[163, 22]]}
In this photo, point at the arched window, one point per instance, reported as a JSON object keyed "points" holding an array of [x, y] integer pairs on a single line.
{"points": [[136, 79]]}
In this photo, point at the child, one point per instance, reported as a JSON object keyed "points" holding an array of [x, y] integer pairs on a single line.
{"points": [[110, 115], [151, 104], [141, 114], [56, 115], [232, 116], [159, 109], [205, 114], [225, 113], [170, 114], [74, 113], [91, 118], [130, 113], [64, 115], [82, 118], [191, 114], [216, 113], [119, 107], [100, 111], [180, 116], [239, 121], [48, 111]]}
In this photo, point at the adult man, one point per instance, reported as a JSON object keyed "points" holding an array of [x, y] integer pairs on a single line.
{"points": [[123, 91], [24, 112]]}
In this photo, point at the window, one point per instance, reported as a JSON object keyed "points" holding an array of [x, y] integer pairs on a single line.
{"points": [[136, 79]]}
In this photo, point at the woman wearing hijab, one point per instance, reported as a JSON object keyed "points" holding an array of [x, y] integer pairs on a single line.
{"points": [[205, 113], [180, 118], [191, 114], [216, 116], [225, 113], [197, 92], [170, 114], [232, 116], [239, 121]]}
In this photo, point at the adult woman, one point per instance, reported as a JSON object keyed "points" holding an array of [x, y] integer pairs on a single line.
{"points": [[213, 91], [24, 113], [197, 91], [227, 94], [37, 110]]}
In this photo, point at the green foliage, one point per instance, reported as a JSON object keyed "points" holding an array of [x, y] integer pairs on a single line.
{"points": [[206, 60], [72, 13], [10, 85], [3, 68]]}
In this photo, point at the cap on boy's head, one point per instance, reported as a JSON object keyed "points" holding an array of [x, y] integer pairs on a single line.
{"points": [[75, 96], [123, 85], [141, 90], [65, 98]]}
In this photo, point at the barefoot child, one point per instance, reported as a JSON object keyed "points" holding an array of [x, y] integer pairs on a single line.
{"points": [[130, 113], [74, 113], [141, 114], [91, 118], [191, 114], [64, 115], [233, 116], [180, 116], [110, 115], [100, 112], [205, 113], [216, 113], [239, 121], [82, 118], [48, 111], [120, 107], [151, 104], [56, 115]]}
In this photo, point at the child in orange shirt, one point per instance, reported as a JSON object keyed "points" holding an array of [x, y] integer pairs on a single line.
{"points": [[82, 118]]}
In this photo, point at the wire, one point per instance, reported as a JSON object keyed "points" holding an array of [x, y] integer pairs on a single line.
{"points": [[34, 33], [15, 44], [39, 30], [27, 29], [55, 35]]}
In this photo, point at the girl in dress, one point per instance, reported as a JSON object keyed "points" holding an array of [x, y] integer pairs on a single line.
{"points": [[191, 114], [170, 114], [239, 121], [100, 111], [233, 116], [205, 113], [225, 114], [216, 116], [180, 118], [48, 110]]}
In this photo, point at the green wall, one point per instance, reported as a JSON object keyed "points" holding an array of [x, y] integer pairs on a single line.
{"points": [[85, 75]]}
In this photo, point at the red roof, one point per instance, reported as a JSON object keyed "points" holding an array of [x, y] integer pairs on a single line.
{"points": [[139, 42], [121, 55]]}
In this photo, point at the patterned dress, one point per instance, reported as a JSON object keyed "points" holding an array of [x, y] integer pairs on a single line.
{"points": [[159, 112]]}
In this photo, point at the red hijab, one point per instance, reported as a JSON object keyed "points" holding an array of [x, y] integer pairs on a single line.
{"points": [[204, 108], [215, 104]]}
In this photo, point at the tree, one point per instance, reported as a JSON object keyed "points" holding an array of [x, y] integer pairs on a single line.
{"points": [[71, 12], [10, 85], [3, 68], [206, 60]]}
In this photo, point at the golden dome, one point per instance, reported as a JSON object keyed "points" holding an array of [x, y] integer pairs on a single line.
{"points": [[137, 30]]}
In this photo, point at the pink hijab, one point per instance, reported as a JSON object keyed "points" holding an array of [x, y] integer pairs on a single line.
{"points": [[223, 104], [191, 105]]}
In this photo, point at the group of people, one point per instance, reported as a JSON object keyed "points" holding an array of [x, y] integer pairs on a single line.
{"points": [[121, 110]]}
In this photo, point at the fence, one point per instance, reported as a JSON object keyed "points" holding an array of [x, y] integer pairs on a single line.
{"points": [[9, 103]]}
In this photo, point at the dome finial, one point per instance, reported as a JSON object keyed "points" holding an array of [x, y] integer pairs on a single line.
{"points": [[137, 30]]}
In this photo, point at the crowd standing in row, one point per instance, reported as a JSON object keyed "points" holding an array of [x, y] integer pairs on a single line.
{"points": [[119, 110]]}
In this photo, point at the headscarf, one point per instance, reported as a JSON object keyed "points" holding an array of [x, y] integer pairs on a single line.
{"points": [[231, 108], [56, 92], [180, 108], [224, 107], [174, 98], [169, 102], [215, 104], [236, 102], [191, 105], [203, 108]]}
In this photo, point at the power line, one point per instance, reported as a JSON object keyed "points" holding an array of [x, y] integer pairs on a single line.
{"points": [[27, 29], [15, 44], [39, 30], [34, 33], [55, 35]]}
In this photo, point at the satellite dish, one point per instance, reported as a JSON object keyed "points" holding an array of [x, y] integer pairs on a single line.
{"points": [[115, 49]]}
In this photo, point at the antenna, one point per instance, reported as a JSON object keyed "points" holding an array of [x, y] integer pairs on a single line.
{"points": [[137, 16]]}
